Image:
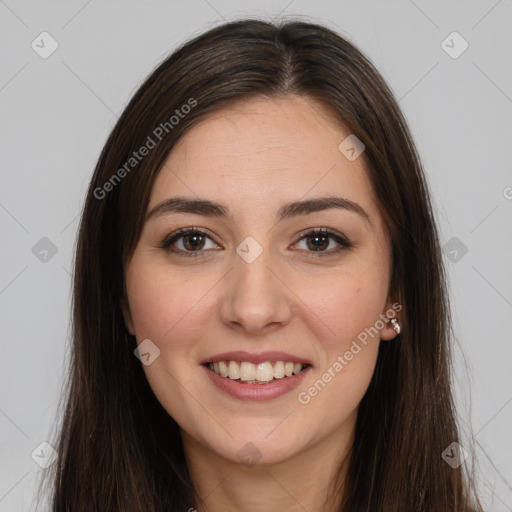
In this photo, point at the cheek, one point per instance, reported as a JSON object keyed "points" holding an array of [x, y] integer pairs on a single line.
{"points": [[167, 309], [343, 314], [343, 306], [163, 304], [344, 322]]}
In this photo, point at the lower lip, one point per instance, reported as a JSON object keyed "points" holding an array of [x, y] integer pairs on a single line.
{"points": [[256, 392]]}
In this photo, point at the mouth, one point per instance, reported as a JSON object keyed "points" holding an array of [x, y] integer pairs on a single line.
{"points": [[256, 377], [246, 372]]}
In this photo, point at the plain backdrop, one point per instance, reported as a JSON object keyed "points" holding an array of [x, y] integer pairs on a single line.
{"points": [[57, 110]]}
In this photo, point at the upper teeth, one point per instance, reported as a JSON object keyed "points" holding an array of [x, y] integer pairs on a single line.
{"points": [[262, 372]]}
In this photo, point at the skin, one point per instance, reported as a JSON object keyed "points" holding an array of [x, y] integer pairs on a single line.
{"points": [[255, 156]]}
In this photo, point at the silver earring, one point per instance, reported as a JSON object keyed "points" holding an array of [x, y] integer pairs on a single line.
{"points": [[396, 325]]}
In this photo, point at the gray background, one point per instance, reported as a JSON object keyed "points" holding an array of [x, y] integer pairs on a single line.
{"points": [[57, 112]]}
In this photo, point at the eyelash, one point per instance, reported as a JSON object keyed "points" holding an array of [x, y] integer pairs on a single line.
{"points": [[167, 242]]}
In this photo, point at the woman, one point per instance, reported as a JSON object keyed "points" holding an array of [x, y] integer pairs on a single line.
{"points": [[260, 315]]}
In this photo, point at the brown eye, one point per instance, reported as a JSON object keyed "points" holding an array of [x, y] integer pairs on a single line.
{"points": [[193, 241], [319, 240], [189, 242]]}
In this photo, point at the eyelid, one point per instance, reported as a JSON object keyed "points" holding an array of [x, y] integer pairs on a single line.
{"points": [[343, 242], [181, 232], [321, 231]]}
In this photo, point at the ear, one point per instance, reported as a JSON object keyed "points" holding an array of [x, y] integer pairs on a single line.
{"points": [[393, 310], [125, 308]]}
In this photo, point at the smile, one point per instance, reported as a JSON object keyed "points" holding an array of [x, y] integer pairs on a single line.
{"points": [[258, 381], [250, 373]]}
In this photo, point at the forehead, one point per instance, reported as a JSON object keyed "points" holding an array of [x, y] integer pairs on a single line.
{"points": [[264, 151]]}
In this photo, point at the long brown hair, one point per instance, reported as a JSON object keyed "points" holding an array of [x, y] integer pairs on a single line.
{"points": [[118, 449]]}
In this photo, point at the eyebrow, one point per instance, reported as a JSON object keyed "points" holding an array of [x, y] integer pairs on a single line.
{"points": [[210, 208]]}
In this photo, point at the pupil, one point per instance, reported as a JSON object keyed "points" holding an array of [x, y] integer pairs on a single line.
{"points": [[195, 244], [321, 245]]}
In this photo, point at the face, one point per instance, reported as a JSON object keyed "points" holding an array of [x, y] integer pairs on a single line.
{"points": [[252, 281]]}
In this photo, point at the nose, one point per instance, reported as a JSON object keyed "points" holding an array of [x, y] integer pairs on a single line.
{"points": [[255, 298]]}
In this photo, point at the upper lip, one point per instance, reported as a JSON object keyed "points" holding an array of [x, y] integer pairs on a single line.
{"points": [[255, 358]]}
